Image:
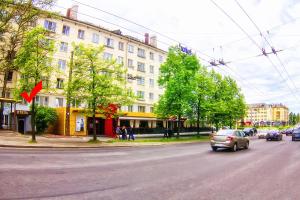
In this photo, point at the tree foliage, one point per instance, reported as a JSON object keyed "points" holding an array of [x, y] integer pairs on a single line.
{"points": [[45, 116], [177, 77], [97, 82], [196, 93], [16, 18], [34, 63]]}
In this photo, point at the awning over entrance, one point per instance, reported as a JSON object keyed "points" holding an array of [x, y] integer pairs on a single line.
{"points": [[9, 100]]}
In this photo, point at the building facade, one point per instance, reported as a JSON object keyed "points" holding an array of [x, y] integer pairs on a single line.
{"points": [[141, 58], [267, 114]]}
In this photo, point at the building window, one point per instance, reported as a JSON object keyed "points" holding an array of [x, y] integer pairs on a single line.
{"points": [[107, 56], [130, 63], [50, 26], [140, 80], [120, 60], [37, 100], [151, 69], [121, 46], [80, 34], [130, 108], [141, 53], [130, 48], [60, 83], [62, 64], [151, 96], [63, 47], [66, 30], [95, 38], [10, 75], [151, 82], [141, 109], [161, 58], [151, 55], [140, 94], [59, 102], [7, 95], [42, 100], [152, 110], [141, 67], [109, 42]]}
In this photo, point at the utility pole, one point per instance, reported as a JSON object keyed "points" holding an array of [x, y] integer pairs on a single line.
{"points": [[68, 108]]}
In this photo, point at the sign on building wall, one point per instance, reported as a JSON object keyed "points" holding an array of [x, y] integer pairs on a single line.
{"points": [[79, 123]]}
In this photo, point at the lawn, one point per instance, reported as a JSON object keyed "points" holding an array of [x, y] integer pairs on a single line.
{"points": [[166, 140]]}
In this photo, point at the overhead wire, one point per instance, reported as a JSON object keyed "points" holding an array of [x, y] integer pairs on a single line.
{"points": [[253, 41], [133, 31], [272, 47]]}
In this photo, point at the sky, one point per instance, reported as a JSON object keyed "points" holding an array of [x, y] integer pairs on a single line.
{"points": [[212, 35]]}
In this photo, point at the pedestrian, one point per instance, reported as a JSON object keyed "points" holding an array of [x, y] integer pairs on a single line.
{"points": [[124, 133], [130, 133], [118, 132]]}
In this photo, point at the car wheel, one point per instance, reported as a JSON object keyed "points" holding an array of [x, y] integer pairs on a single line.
{"points": [[247, 145], [234, 148], [214, 148]]}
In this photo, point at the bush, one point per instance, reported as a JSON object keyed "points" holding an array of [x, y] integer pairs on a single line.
{"points": [[45, 116]]}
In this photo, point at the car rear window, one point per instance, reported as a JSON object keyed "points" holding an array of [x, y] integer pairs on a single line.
{"points": [[225, 132]]}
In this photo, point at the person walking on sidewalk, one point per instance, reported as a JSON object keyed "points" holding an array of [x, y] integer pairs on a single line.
{"points": [[124, 133], [130, 133]]}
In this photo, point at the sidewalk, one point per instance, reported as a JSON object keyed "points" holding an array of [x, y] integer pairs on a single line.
{"points": [[14, 139]]}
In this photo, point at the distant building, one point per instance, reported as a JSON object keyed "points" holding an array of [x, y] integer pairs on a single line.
{"points": [[267, 114]]}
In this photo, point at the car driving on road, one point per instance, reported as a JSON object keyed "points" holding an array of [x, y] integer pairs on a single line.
{"points": [[288, 132], [296, 135], [229, 139], [262, 134], [274, 135], [250, 131]]}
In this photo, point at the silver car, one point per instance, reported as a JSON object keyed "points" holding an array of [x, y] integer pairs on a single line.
{"points": [[230, 139]]}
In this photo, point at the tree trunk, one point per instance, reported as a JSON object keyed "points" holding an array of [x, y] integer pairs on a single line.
{"points": [[33, 120], [178, 126], [198, 118], [3, 96], [94, 126]]}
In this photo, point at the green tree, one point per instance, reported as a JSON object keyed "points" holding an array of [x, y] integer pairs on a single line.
{"points": [[97, 82], [34, 63], [228, 104], [177, 76], [45, 116], [16, 18], [201, 101]]}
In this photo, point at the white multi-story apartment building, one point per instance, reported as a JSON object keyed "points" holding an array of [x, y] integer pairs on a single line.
{"points": [[142, 59]]}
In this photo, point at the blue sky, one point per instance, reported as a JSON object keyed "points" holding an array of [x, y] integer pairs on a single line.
{"points": [[203, 27]]}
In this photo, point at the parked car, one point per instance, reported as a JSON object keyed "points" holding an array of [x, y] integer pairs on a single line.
{"points": [[262, 134], [229, 139], [288, 131], [296, 135], [274, 135], [250, 131]]}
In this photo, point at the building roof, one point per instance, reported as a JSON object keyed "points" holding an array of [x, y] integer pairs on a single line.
{"points": [[116, 33]]}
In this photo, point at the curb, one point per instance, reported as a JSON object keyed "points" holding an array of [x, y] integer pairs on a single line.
{"points": [[95, 147]]}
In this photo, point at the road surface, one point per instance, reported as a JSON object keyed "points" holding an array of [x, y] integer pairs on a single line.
{"points": [[268, 170]]}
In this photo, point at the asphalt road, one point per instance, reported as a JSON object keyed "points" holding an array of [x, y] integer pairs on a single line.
{"points": [[268, 170]]}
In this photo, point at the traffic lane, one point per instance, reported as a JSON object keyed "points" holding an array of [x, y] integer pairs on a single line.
{"points": [[190, 176]]}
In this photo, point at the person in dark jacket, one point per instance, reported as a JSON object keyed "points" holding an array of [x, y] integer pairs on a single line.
{"points": [[124, 133], [130, 133]]}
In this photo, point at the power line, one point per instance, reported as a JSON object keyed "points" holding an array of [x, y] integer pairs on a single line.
{"points": [[132, 22], [134, 31], [256, 26], [253, 41]]}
